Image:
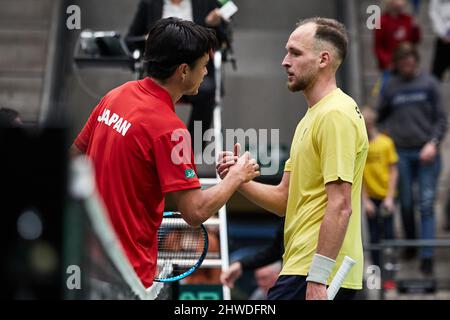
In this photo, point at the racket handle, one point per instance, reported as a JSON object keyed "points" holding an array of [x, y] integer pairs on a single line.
{"points": [[336, 283]]}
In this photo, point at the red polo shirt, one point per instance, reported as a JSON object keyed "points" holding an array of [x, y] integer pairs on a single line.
{"points": [[140, 150]]}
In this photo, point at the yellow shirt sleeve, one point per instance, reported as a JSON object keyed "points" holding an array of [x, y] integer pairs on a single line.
{"points": [[288, 165], [336, 142]]}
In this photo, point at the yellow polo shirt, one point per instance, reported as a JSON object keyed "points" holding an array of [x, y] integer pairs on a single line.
{"points": [[330, 143]]}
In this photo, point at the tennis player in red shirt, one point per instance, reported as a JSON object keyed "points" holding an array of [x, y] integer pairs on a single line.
{"points": [[134, 138]]}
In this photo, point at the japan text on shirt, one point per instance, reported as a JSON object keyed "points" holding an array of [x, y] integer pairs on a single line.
{"points": [[120, 124]]}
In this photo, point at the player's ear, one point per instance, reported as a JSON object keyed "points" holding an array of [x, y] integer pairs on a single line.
{"points": [[183, 70], [325, 59]]}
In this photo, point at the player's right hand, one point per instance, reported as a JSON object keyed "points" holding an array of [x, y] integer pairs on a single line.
{"points": [[246, 168], [229, 276], [226, 160]]}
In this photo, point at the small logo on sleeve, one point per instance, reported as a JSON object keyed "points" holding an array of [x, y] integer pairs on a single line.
{"points": [[189, 173]]}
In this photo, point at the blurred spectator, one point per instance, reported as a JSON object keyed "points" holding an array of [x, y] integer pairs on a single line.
{"points": [[265, 279], [412, 112], [396, 26], [208, 275], [380, 183], [180, 241], [203, 12], [273, 252], [440, 18], [9, 118]]}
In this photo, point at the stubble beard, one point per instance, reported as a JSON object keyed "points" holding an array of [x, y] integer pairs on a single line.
{"points": [[300, 84]]}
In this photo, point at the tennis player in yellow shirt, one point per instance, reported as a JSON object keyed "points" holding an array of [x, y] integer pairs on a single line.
{"points": [[320, 192]]}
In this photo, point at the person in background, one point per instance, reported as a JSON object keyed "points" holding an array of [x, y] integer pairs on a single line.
{"points": [[439, 12], [265, 279], [379, 183], [411, 110], [440, 20], [203, 12], [208, 275], [396, 26], [266, 256]]}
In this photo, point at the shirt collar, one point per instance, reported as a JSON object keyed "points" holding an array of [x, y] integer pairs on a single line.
{"points": [[324, 99], [156, 90]]}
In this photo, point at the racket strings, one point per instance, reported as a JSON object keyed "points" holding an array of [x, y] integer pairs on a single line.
{"points": [[179, 245]]}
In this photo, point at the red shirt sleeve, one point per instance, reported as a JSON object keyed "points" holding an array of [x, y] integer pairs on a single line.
{"points": [[82, 140], [175, 161]]}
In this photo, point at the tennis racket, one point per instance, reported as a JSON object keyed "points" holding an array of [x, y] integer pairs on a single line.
{"points": [[336, 283], [181, 248]]}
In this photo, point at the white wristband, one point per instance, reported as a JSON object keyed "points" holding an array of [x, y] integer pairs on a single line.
{"points": [[320, 269]]}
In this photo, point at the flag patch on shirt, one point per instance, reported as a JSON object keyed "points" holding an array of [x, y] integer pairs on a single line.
{"points": [[189, 173]]}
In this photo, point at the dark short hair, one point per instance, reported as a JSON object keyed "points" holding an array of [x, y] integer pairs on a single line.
{"points": [[172, 42], [332, 31], [403, 50], [8, 118]]}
